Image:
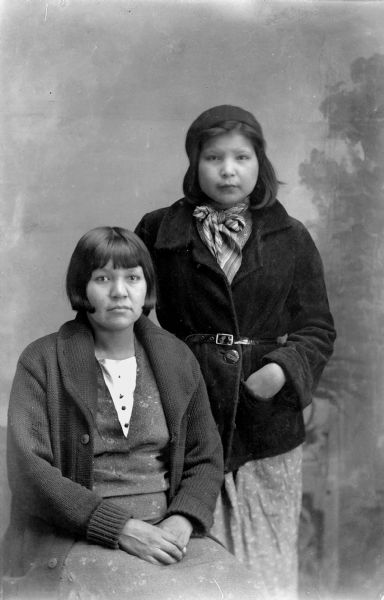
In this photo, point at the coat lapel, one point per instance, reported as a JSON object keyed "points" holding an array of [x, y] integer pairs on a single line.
{"points": [[178, 232], [264, 222]]}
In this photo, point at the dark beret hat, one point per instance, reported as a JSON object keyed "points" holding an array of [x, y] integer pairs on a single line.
{"points": [[213, 117]]}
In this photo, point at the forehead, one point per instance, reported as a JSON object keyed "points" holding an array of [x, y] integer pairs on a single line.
{"points": [[231, 141]]}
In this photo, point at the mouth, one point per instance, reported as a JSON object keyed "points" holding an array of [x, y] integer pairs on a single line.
{"points": [[118, 308], [228, 186]]}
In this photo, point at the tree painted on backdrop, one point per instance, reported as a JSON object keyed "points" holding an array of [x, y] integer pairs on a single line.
{"points": [[347, 184]]}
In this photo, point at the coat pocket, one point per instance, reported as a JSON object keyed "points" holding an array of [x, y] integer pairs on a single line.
{"points": [[269, 427], [253, 417]]}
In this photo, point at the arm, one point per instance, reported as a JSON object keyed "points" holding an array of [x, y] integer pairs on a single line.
{"points": [[203, 469], [311, 332], [36, 464]]}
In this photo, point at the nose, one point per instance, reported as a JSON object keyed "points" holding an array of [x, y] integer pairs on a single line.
{"points": [[227, 167], [118, 288]]}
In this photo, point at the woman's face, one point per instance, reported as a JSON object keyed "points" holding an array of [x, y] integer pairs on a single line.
{"points": [[228, 169], [117, 295]]}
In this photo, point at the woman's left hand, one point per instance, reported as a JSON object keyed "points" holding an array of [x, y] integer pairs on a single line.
{"points": [[180, 526], [267, 381]]}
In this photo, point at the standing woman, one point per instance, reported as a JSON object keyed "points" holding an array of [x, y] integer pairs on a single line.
{"points": [[114, 458], [242, 283]]}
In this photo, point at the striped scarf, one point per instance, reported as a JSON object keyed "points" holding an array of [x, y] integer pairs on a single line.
{"points": [[222, 232]]}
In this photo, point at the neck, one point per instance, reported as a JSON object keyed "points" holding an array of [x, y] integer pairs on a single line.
{"points": [[117, 345], [220, 208]]}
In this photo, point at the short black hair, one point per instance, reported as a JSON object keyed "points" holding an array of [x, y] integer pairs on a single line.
{"points": [[264, 193], [97, 247]]}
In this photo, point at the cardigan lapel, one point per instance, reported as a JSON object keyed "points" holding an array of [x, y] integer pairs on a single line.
{"points": [[76, 356], [164, 361]]}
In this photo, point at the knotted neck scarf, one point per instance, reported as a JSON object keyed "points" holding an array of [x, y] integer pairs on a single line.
{"points": [[224, 232]]}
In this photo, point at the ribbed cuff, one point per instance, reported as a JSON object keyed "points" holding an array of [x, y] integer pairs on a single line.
{"points": [[192, 508], [106, 524]]}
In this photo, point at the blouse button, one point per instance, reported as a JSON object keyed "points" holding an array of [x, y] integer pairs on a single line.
{"points": [[123, 407], [85, 439], [232, 356], [52, 563]]}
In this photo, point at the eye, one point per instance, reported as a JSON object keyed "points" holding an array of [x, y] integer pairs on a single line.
{"points": [[210, 157], [100, 278], [243, 157], [134, 275]]}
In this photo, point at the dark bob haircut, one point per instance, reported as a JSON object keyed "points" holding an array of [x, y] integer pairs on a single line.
{"points": [[225, 119], [97, 247]]}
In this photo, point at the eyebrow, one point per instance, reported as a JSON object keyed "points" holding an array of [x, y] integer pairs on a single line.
{"points": [[238, 149]]}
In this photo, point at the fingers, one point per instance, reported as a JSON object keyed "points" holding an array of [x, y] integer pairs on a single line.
{"points": [[163, 557], [170, 551], [180, 527], [172, 538], [151, 543]]}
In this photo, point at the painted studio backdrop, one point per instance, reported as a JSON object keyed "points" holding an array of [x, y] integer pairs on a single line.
{"points": [[96, 99]]}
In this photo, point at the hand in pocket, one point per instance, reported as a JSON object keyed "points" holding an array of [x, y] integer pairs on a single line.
{"points": [[266, 382]]}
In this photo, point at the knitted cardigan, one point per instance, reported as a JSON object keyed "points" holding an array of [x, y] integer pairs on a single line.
{"points": [[50, 447]]}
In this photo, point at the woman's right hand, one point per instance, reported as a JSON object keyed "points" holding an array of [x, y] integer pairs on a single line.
{"points": [[153, 544]]}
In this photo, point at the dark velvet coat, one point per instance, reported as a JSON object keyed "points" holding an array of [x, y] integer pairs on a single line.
{"points": [[50, 451], [278, 290]]}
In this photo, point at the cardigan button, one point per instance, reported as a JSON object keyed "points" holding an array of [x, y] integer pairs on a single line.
{"points": [[85, 439], [232, 356], [52, 563]]}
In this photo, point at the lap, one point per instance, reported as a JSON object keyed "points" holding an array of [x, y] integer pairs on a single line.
{"points": [[208, 572]]}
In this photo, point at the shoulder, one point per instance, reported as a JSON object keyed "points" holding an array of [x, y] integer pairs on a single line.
{"points": [[159, 213], [171, 347], [45, 347], [296, 228], [154, 218], [146, 328], [39, 348]]}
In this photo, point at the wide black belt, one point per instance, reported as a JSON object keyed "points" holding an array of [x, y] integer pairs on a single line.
{"points": [[227, 339]]}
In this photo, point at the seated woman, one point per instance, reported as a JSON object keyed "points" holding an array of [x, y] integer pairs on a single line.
{"points": [[114, 459]]}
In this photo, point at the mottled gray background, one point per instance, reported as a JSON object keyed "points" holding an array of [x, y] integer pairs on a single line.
{"points": [[96, 98]]}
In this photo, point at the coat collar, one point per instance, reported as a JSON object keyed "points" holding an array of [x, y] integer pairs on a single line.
{"points": [[177, 228], [76, 356], [177, 231]]}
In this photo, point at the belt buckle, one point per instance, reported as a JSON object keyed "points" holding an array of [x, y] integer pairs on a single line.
{"points": [[224, 339]]}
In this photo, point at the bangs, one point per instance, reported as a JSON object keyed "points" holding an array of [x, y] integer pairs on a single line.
{"points": [[251, 133], [122, 255]]}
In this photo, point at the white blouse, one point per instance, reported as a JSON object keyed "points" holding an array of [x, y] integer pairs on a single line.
{"points": [[120, 378]]}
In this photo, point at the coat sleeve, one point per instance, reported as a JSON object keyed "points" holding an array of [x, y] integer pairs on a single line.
{"points": [[311, 332], [39, 488], [203, 467]]}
